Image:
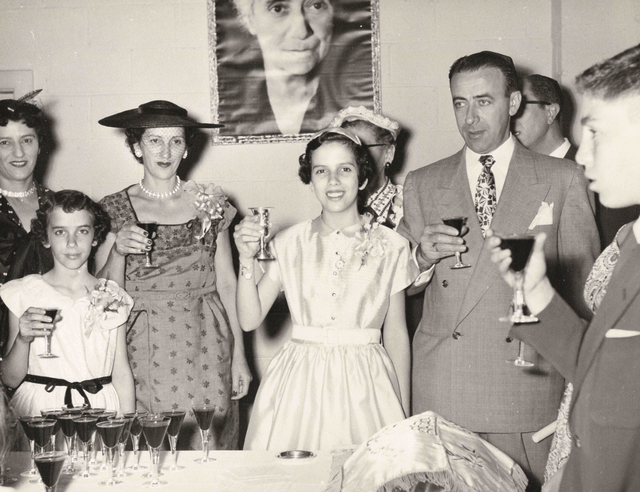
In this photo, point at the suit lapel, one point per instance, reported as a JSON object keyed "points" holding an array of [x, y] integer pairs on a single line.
{"points": [[521, 197], [622, 290]]}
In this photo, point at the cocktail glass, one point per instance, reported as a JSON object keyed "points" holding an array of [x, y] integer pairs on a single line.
{"points": [[29, 433], [53, 414], [110, 431], [53, 314], [457, 223], [42, 432], [151, 227], [85, 429], [12, 424], [204, 417], [68, 427], [154, 429], [136, 430], [521, 247], [102, 417], [50, 466], [176, 416], [126, 429]]}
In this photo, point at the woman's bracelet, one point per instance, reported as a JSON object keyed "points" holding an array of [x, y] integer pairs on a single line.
{"points": [[246, 271]]}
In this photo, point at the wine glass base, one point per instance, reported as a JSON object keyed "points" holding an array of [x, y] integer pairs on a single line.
{"points": [[36, 480], [69, 470], [155, 484], [7, 481], [30, 473], [458, 266], [523, 318], [204, 461], [47, 356], [265, 257], [84, 475], [519, 362], [132, 469], [150, 267], [111, 483]]}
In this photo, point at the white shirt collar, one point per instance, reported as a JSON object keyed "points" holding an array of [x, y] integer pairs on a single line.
{"points": [[502, 155], [561, 151]]}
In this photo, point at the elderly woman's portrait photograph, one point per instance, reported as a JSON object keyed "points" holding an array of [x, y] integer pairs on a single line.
{"points": [[284, 68]]}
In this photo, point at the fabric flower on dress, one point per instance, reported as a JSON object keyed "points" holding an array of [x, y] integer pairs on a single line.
{"points": [[210, 202], [109, 307], [370, 239]]}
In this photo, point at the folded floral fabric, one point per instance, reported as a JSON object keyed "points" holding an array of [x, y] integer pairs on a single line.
{"points": [[426, 448]]}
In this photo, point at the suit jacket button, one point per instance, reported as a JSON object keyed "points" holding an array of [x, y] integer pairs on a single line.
{"points": [[577, 441], [456, 335], [509, 340], [445, 283]]}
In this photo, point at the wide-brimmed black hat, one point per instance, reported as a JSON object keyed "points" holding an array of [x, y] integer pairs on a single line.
{"points": [[154, 114]]}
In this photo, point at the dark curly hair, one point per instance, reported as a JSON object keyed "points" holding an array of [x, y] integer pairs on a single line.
{"points": [[29, 114], [365, 169], [71, 201], [134, 136]]}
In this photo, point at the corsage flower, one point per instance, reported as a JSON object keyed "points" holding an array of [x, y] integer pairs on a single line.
{"points": [[370, 240], [210, 202], [109, 307]]}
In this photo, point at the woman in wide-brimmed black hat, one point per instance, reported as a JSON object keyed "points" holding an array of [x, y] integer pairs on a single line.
{"points": [[185, 343]]}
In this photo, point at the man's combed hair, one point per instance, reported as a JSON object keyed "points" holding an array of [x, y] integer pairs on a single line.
{"points": [[488, 59], [545, 89], [71, 201], [612, 78]]}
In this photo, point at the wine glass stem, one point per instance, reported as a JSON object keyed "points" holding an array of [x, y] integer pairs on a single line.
{"points": [[85, 467], [33, 456], [120, 459], [47, 338], [205, 445], [148, 254], [174, 453], [111, 481], [521, 351], [136, 456], [156, 460]]}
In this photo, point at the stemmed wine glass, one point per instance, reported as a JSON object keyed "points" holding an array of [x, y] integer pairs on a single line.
{"points": [[102, 417], [42, 431], [457, 223], [521, 247], [68, 427], [126, 429], [176, 416], [53, 414], [150, 226], [52, 313], [263, 212], [86, 429], [50, 466], [29, 433], [155, 428], [136, 430], [204, 417], [110, 431]]}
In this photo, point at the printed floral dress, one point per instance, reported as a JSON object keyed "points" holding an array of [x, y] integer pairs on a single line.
{"points": [[178, 335]]}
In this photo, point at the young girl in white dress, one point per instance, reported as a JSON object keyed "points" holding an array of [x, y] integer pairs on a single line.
{"points": [[333, 384], [88, 337]]}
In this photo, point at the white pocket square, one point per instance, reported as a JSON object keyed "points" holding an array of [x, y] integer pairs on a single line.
{"points": [[616, 333], [543, 217]]}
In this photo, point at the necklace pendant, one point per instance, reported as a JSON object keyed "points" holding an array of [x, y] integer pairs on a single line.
{"points": [[340, 264]]}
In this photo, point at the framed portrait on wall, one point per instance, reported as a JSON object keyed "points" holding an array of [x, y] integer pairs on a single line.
{"points": [[282, 69]]}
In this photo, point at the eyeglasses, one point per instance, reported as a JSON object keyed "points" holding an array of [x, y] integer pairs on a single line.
{"points": [[368, 146]]}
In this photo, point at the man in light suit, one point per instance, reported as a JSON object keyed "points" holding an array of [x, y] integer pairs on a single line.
{"points": [[601, 359], [460, 348]]}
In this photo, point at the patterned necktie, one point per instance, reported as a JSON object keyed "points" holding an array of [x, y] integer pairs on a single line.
{"points": [[486, 198]]}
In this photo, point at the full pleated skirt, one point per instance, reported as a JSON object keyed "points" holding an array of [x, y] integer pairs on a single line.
{"points": [[322, 397]]}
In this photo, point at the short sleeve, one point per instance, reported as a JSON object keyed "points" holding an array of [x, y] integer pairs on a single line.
{"points": [[406, 270], [15, 296], [116, 206]]}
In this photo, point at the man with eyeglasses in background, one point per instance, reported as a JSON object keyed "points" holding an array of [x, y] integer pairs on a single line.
{"points": [[538, 124]]}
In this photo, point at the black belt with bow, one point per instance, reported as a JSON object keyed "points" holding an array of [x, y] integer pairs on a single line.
{"points": [[93, 386]]}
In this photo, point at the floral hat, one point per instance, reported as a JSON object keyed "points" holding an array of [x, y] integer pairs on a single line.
{"points": [[354, 113]]}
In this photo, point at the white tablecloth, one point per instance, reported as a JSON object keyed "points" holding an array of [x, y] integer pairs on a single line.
{"points": [[232, 471]]}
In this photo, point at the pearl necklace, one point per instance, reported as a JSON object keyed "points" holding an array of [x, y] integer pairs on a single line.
{"points": [[18, 194], [153, 194]]}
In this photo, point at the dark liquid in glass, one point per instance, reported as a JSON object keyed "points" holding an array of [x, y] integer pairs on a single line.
{"points": [[175, 423], [204, 418], [154, 432], [42, 432], [50, 465], [28, 430], [53, 415], [455, 222], [110, 433], [126, 428], [520, 250], [136, 428], [52, 313], [85, 427], [150, 227], [67, 425], [104, 416]]}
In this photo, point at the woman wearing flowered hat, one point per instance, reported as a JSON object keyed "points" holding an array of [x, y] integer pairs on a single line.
{"points": [[378, 135], [184, 340]]}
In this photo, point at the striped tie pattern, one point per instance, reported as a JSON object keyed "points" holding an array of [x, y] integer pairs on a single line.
{"points": [[485, 199]]}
